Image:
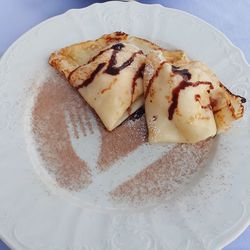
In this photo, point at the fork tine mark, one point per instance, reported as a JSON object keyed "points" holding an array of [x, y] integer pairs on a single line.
{"points": [[90, 127], [68, 122], [81, 123], [73, 122], [87, 120]]}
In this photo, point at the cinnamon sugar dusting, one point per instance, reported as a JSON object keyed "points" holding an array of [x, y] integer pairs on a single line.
{"points": [[59, 109], [121, 141], [57, 104], [56, 101], [166, 175]]}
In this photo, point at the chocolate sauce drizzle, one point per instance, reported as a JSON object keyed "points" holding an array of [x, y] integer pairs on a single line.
{"points": [[111, 69], [92, 76], [186, 75], [116, 47], [99, 54], [176, 91], [137, 114], [138, 74]]}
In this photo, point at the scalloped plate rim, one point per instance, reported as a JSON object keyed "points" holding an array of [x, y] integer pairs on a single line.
{"points": [[235, 230]]}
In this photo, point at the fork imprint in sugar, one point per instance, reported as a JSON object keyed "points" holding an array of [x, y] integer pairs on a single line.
{"points": [[86, 140], [84, 133]]}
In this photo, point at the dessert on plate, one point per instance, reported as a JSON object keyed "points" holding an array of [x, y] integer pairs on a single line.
{"points": [[186, 103], [118, 73], [107, 73]]}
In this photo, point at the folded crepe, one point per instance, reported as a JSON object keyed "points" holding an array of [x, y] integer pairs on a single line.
{"points": [[107, 72], [186, 103], [111, 83]]}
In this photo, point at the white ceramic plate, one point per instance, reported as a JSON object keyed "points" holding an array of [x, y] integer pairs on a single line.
{"points": [[205, 212]]}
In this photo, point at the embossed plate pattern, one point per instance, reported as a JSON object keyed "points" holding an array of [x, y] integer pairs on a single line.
{"points": [[36, 214]]}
